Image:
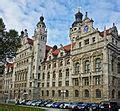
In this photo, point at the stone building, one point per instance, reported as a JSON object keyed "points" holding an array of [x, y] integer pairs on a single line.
{"points": [[87, 69], [8, 83], [1, 87]]}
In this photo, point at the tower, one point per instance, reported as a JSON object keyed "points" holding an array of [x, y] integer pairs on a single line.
{"points": [[40, 39], [76, 26]]}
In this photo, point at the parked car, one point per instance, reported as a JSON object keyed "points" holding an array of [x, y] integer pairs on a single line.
{"points": [[23, 102], [66, 105], [95, 107], [107, 105], [57, 104], [83, 107]]}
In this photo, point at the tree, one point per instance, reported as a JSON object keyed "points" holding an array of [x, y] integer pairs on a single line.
{"points": [[9, 43]]}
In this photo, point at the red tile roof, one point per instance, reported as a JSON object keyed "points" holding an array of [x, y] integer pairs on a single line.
{"points": [[56, 52], [107, 32], [9, 65], [66, 48], [30, 41], [48, 47]]}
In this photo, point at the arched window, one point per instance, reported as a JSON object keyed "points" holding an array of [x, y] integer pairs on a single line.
{"points": [[48, 75], [53, 93], [76, 93], [66, 93], [60, 73], [43, 76], [113, 93], [118, 94], [47, 93], [98, 65], [98, 93], [42, 93], [59, 93], [54, 75], [77, 68], [86, 93], [87, 66]]}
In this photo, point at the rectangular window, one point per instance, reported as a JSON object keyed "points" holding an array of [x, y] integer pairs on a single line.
{"points": [[54, 64], [86, 81], [97, 80], [66, 83], [79, 44], [42, 84], [86, 41], [38, 84], [118, 67], [59, 93], [53, 84], [42, 93], [93, 39], [75, 82], [61, 63], [67, 72], [48, 84], [38, 76], [60, 73], [30, 84], [60, 83], [39, 68]]}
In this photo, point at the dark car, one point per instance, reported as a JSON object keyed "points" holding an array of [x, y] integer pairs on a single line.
{"points": [[57, 104], [108, 106], [95, 107], [83, 107]]}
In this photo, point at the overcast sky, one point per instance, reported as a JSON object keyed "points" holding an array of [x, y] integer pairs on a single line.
{"points": [[58, 14]]}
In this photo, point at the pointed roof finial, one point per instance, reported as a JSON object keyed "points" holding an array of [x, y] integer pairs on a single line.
{"points": [[113, 24], [105, 31], [78, 9], [86, 14]]}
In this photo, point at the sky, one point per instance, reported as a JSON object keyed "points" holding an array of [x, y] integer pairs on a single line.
{"points": [[58, 15]]}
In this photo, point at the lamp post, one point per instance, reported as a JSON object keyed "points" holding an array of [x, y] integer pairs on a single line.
{"points": [[63, 92]]}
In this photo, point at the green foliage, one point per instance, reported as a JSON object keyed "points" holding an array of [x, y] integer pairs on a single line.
{"points": [[2, 26], [14, 41], [8, 40], [7, 107]]}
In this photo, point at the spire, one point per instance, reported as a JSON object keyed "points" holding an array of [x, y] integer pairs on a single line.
{"points": [[105, 31], [86, 14], [41, 22], [78, 16], [41, 18]]}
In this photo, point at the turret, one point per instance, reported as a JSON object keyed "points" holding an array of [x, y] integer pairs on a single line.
{"points": [[41, 31], [78, 18]]}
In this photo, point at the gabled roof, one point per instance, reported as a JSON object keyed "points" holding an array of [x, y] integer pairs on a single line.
{"points": [[66, 48], [9, 65], [48, 47], [30, 41], [108, 32]]}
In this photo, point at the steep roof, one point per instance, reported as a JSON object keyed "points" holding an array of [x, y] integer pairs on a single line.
{"points": [[9, 65], [108, 32], [30, 41]]}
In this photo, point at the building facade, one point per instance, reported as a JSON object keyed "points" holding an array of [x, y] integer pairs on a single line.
{"points": [[87, 69]]}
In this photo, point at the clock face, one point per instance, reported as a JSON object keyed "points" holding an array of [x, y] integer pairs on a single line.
{"points": [[86, 28]]}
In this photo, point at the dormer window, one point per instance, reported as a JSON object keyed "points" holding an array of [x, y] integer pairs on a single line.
{"points": [[61, 54], [49, 57], [54, 64]]}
